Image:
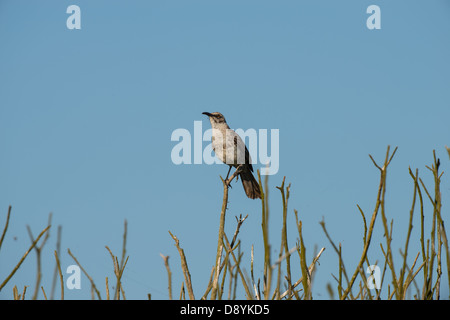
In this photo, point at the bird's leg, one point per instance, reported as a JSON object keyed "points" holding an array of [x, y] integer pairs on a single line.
{"points": [[226, 179], [235, 174], [238, 171], [229, 169]]}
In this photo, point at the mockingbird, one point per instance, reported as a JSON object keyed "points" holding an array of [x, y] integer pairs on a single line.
{"points": [[230, 149]]}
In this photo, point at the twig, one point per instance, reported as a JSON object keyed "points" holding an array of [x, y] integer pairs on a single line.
{"points": [[257, 296], [118, 271], [284, 256], [310, 271], [237, 262], [342, 269], [284, 242], [23, 257], [55, 273], [210, 282], [182, 294], [23, 293], [403, 286], [93, 287], [265, 231], [16, 295], [43, 291], [169, 274], [6, 226], [306, 276], [220, 244], [58, 267], [38, 250], [184, 266], [124, 244], [107, 288], [239, 221], [380, 200]]}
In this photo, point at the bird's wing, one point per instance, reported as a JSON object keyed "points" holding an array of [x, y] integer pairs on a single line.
{"points": [[242, 151]]}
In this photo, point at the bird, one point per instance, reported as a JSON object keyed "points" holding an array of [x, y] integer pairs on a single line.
{"points": [[231, 150]]}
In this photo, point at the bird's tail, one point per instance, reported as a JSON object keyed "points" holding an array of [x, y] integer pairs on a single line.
{"points": [[251, 186]]}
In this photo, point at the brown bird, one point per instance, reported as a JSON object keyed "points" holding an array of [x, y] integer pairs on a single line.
{"points": [[231, 150]]}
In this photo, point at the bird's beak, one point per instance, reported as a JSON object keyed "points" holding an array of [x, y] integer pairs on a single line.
{"points": [[207, 113]]}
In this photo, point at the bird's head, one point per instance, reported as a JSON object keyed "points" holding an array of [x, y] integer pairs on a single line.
{"points": [[215, 117]]}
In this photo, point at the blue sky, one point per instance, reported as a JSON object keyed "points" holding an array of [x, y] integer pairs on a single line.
{"points": [[86, 118]]}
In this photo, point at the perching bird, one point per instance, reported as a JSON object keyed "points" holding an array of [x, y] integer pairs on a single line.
{"points": [[230, 149]]}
